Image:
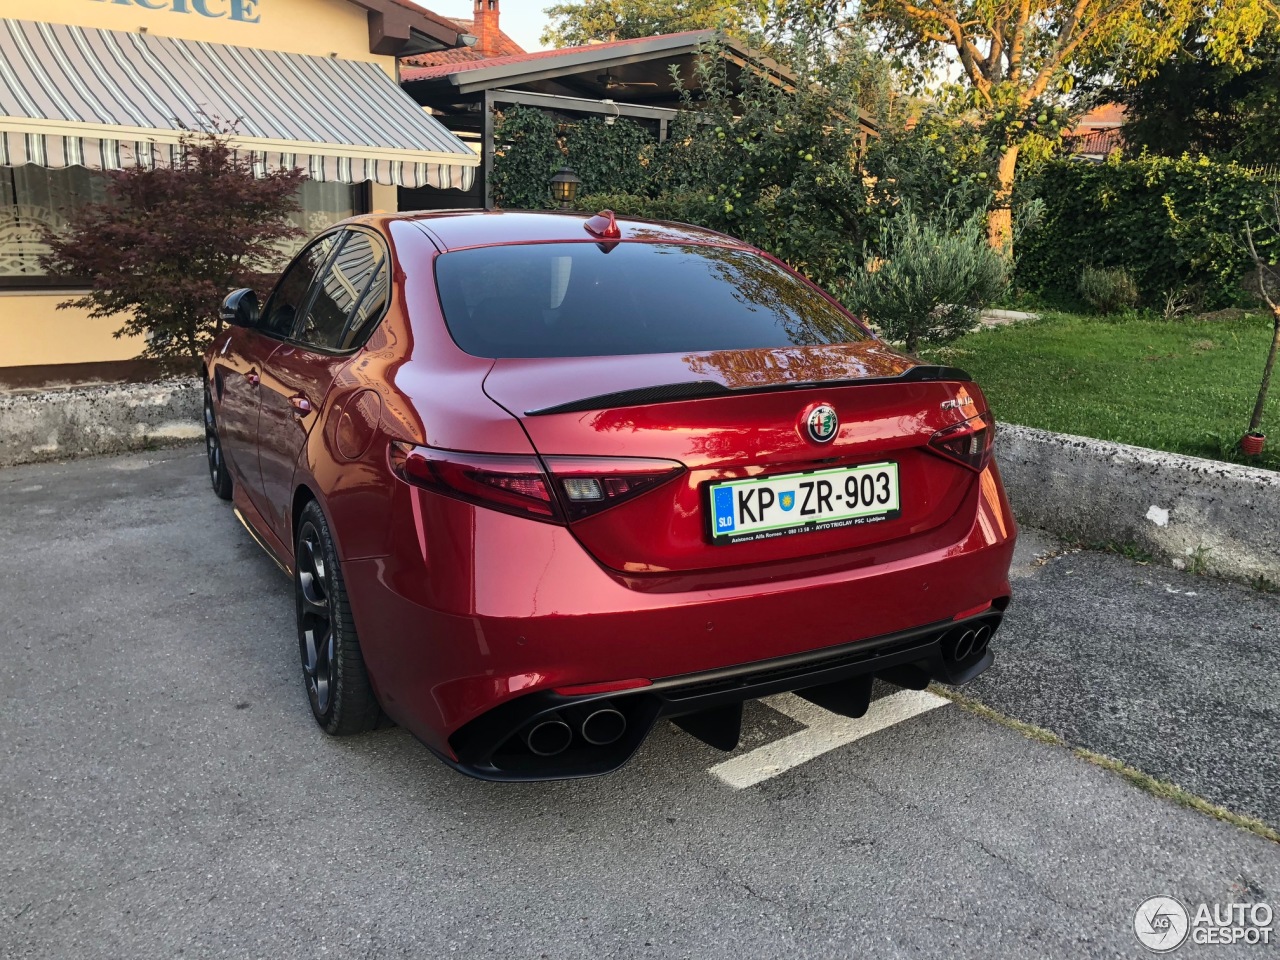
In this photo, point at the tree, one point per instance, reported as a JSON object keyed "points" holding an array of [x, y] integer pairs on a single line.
{"points": [[777, 164], [172, 239], [1016, 57], [1268, 267], [577, 22], [937, 276], [1195, 104], [526, 156]]}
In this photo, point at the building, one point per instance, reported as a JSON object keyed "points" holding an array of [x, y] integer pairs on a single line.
{"points": [[490, 40], [1098, 133], [622, 78], [95, 85]]}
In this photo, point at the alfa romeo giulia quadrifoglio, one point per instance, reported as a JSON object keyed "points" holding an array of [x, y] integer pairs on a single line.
{"points": [[543, 479]]}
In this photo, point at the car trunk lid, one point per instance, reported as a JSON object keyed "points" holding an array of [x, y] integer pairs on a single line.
{"points": [[736, 414]]}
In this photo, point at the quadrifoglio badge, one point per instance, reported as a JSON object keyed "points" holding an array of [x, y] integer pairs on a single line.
{"points": [[1162, 924]]}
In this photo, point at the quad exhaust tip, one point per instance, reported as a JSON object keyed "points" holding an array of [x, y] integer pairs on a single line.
{"points": [[981, 637], [604, 726], [968, 645], [548, 737], [554, 735]]}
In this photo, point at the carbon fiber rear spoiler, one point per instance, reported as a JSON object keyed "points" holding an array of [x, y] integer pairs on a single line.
{"points": [[704, 389]]}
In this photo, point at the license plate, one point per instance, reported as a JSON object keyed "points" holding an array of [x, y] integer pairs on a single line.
{"points": [[760, 508]]}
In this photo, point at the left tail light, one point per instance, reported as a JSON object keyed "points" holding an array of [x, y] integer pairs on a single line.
{"points": [[554, 490], [512, 484], [968, 442]]}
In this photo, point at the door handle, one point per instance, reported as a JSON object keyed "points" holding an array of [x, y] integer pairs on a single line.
{"points": [[252, 377], [301, 405]]}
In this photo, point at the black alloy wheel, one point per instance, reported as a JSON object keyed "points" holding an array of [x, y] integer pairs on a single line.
{"points": [[218, 474], [337, 684]]}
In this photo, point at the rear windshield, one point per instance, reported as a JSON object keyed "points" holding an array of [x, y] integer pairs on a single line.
{"points": [[577, 300]]}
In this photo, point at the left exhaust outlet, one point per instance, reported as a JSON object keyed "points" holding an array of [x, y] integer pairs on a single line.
{"points": [[548, 737]]}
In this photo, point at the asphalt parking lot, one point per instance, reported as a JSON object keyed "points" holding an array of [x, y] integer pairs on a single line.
{"points": [[164, 791]]}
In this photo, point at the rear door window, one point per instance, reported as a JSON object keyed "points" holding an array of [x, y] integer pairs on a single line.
{"points": [[587, 299]]}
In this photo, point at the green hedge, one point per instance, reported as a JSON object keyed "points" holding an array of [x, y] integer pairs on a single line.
{"points": [[1175, 225], [531, 147]]}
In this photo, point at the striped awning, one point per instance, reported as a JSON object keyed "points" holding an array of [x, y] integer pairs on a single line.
{"points": [[106, 99]]}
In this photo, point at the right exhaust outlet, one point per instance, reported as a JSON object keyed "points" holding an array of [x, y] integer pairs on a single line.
{"points": [[602, 726], [981, 638]]}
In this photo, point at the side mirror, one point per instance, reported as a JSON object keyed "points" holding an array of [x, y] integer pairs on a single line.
{"points": [[240, 308]]}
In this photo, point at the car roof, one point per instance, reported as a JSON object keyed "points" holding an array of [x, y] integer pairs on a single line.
{"points": [[457, 229]]}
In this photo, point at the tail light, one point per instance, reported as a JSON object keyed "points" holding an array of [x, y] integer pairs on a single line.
{"points": [[588, 485], [512, 484], [968, 442], [556, 490]]}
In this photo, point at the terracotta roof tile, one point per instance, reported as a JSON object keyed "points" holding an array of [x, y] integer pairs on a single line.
{"points": [[1096, 142], [506, 47]]}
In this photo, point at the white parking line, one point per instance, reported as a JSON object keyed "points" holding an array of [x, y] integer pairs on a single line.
{"points": [[824, 731]]}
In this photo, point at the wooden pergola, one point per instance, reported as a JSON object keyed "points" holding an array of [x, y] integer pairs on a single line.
{"points": [[625, 78]]}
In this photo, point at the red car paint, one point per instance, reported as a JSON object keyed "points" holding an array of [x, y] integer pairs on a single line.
{"points": [[461, 608]]}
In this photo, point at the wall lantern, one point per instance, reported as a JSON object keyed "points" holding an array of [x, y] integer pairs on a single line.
{"points": [[564, 187]]}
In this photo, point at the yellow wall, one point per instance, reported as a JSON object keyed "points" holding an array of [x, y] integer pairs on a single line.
{"points": [[33, 331], [316, 27]]}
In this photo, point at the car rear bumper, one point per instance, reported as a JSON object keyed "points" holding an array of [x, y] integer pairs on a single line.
{"points": [[480, 632], [492, 747]]}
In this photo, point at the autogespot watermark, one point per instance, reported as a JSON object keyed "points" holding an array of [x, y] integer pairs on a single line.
{"points": [[1163, 924]]}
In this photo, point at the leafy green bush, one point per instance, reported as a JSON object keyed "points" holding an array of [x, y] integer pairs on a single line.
{"points": [[1108, 289], [937, 276], [1173, 224], [525, 159], [680, 207], [939, 162], [609, 156], [776, 166]]}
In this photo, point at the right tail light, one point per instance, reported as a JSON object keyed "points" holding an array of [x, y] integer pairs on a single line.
{"points": [[968, 442]]}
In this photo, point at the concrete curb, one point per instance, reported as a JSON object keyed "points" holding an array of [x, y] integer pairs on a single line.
{"points": [[1204, 515], [110, 418]]}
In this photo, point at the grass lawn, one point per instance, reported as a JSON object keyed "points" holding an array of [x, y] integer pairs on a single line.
{"points": [[1187, 386]]}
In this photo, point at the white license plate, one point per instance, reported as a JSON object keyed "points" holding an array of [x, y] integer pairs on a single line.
{"points": [[763, 507]]}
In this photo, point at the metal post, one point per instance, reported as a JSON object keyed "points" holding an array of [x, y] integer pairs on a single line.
{"points": [[486, 149]]}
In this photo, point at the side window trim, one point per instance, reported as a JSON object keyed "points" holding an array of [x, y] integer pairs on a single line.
{"points": [[372, 322], [309, 298]]}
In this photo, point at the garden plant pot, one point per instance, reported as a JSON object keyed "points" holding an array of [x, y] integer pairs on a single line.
{"points": [[1251, 444]]}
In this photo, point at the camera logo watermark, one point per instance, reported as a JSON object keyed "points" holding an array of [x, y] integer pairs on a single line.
{"points": [[1162, 924]]}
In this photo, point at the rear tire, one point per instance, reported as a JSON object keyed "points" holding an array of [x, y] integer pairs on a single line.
{"points": [[219, 476], [333, 671]]}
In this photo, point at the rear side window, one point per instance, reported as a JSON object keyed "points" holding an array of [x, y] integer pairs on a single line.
{"points": [[577, 300], [341, 286], [369, 310]]}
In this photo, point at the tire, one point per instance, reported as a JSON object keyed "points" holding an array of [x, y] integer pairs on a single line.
{"points": [[219, 475], [333, 671]]}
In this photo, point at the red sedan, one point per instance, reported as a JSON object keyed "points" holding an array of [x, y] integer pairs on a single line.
{"points": [[543, 479]]}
